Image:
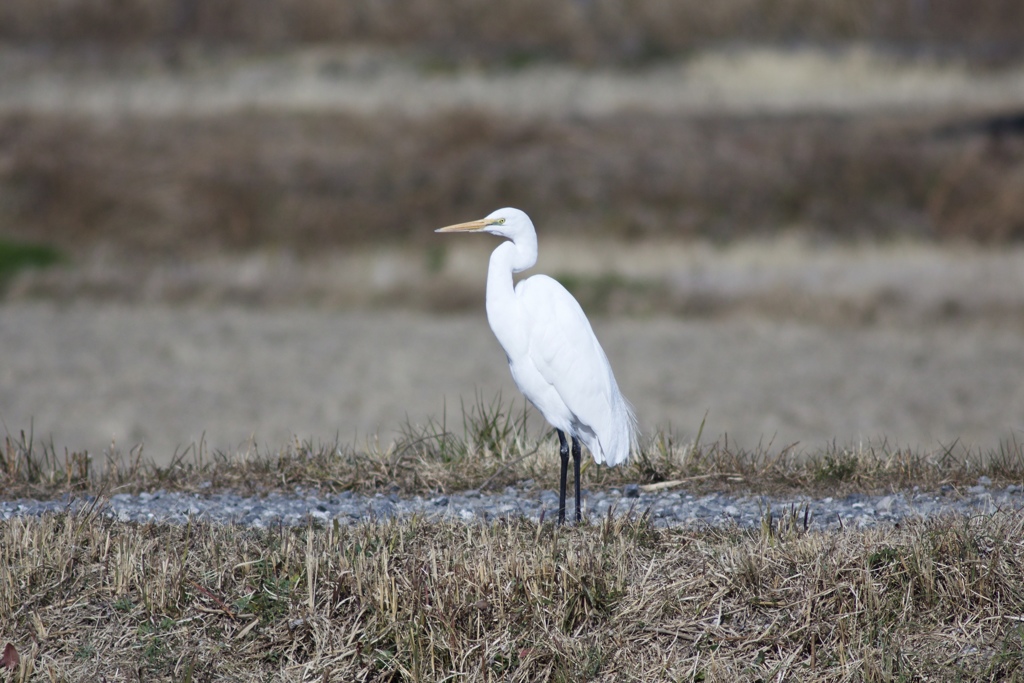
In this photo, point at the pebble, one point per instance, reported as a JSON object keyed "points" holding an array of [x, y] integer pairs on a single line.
{"points": [[666, 508]]}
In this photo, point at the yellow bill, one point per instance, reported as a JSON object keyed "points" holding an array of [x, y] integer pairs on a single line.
{"points": [[467, 227]]}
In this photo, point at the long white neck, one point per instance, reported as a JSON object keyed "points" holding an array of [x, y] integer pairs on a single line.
{"points": [[502, 308]]}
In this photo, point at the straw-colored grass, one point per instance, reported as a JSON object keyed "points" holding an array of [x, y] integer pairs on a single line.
{"points": [[83, 597], [86, 598]]}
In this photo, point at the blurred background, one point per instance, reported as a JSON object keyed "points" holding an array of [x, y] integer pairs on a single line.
{"points": [[801, 219]]}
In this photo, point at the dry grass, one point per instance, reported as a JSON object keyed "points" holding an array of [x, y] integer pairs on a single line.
{"points": [[492, 449], [307, 182], [83, 597], [604, 31], [86, 598]]}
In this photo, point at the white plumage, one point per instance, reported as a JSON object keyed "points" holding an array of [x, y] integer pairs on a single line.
{"points": [[553, 353]]}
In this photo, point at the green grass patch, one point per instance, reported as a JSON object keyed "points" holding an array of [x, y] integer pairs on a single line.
{"points": [[15, 256]]}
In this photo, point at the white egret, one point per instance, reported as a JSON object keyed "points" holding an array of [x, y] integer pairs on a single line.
{"points": [[554, 356]]}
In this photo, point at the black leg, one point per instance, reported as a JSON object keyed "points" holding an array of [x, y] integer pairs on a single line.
{"points": [[563, 450], [576, 470]]}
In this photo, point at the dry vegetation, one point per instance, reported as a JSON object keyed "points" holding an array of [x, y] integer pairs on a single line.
{"points": [[491, 450], [308, 182], [83, 597], [600, 31]]}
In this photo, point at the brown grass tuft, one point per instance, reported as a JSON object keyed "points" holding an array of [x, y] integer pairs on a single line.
{"points": [[492, 449]]}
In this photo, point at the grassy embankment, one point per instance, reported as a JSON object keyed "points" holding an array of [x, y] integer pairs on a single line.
{"points": [[83, 596]]}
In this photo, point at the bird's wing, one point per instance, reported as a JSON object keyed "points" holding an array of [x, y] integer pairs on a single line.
{"points": [[566, 352]]}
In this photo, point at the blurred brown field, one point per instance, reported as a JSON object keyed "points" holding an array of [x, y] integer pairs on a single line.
{"points": [[308, 181], [586, 31]]}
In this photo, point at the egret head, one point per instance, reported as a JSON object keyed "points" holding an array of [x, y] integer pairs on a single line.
{"points": [[510, 223]]}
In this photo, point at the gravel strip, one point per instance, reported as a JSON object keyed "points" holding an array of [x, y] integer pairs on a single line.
{"points": [[672, 508]]}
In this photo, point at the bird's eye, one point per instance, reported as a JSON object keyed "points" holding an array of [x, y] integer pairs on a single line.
{"points": [[501, 221]]}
